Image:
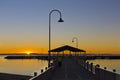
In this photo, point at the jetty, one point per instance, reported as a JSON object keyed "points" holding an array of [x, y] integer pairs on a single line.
{"points": [[74, 68], [69, 70]]}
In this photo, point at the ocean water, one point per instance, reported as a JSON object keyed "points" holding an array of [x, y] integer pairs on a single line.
{"points": [[29, 66], [22, 66], [109, 63]]}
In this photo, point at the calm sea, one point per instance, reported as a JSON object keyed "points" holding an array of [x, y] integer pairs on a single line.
{"points": [[109, 63], [29, 66], [22, 66]]}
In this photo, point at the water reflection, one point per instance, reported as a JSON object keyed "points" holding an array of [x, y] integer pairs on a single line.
{"points": [[109, 63], [22, 66]]}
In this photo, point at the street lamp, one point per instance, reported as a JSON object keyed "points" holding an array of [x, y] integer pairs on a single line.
{"points": [[76, 41], [60, 20]]}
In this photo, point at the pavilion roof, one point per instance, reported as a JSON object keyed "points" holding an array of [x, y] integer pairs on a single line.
{"points": [[67, 47]]}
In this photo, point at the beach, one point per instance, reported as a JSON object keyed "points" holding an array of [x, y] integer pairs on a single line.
{"points": [[7, 76]]}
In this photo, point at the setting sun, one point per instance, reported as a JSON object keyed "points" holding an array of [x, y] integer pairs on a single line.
{"points": [[28, 52]]}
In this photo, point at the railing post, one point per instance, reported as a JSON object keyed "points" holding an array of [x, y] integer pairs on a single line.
{"points": [[91, 67], [97, 72], [104, 73], [35, 73], [87, 66], [41, 70], [105, 68], [114, 70], [46, 68], [114, 74]]}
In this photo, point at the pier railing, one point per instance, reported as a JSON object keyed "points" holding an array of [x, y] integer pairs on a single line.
{"points": [[99, 73], [95, 70], [45, 74]]}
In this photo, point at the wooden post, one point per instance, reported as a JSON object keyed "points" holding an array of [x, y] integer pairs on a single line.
{"points": [[114, 70], [45, 68], [51, 64], [41, 70], [91, 67], [87, 66], [104, 73], [105, 68], [35, 73], [97, 72], [114, 75]]}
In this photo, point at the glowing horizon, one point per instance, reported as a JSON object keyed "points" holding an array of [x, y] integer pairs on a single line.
{"points": [[45, 51]]}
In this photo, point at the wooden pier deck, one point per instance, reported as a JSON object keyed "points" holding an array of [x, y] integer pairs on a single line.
{"points": [[70, 70]]}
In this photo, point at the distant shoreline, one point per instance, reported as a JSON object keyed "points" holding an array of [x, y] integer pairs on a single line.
{"points": [[45, 57], [27, 57]]}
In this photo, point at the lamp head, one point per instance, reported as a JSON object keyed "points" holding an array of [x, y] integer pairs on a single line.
{"points": [[60, 20]]}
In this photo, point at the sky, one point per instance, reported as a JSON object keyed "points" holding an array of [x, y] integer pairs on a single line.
{"points": [[24, 25]]}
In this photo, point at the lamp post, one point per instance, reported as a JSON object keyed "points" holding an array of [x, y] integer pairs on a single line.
{"points": [[75, 38], [60, 20]]}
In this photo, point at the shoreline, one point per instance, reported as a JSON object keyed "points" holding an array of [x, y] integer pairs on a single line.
{"points": [[86, 57], [27, 57], [9, 76]]}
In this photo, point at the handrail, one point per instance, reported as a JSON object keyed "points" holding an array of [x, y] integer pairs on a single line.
{"points": [[99, 73], [41, 73]]}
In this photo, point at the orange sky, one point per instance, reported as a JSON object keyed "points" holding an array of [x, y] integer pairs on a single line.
{"points": [[41, 49], [24, 25]]}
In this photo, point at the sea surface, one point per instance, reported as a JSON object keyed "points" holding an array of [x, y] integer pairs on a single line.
{"points": [[29, 66], [109, 63], [22, 66]]}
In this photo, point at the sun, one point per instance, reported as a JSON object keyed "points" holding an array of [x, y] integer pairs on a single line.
{"points": [[28, 52]]}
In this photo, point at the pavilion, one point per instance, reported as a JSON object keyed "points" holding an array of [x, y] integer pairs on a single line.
{"points": [[68, 48]]}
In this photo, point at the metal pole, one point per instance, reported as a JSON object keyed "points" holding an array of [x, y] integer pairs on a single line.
{"points": [[76, 41], [60, 20]]}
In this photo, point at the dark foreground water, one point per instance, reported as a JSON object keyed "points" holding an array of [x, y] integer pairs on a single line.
{"points": [[22, 66]]}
